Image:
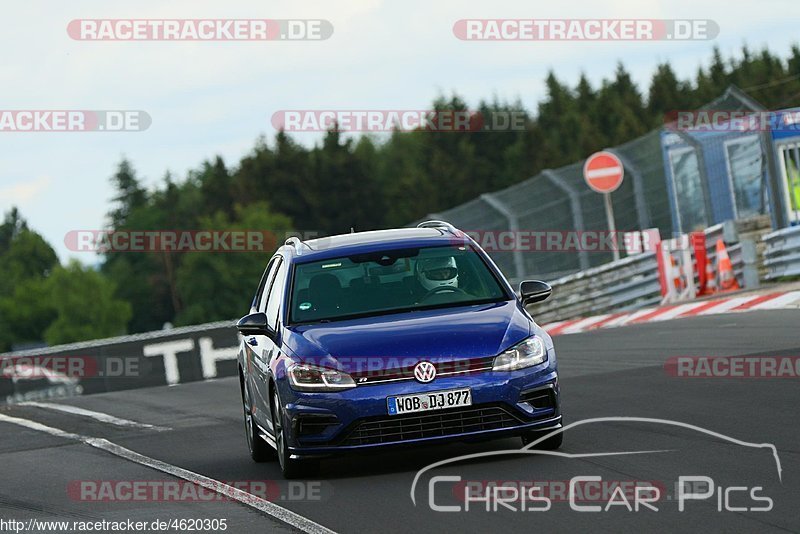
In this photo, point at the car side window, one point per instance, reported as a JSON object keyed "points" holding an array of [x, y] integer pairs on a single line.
{"points": [[263, 286], [276, 295]]}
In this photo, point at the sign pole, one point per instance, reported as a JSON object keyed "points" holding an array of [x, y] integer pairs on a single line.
{"points": [[612, 227], [603, 172]]}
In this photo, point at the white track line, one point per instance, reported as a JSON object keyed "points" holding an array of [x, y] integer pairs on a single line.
{"points": [[99, 416], [778, 302], [635, 315], [551, 326], [282, 514], [583, 324], [573, 326], [618, 321], [726, 305], [671, 313]]}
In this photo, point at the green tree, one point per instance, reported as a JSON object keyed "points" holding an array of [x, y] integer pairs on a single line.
{"points": [[214, 183], [340, 193], [27, 256], [85, 306], [407, 190], [666, 93], [146, 279], [347, 181], [13, 224], [130, 194], [25, 313], [622, 109], [26, 259], [559, 104], [220, 285]]}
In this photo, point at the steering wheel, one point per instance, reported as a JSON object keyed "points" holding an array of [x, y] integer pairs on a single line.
{"points": [[443, 289]]}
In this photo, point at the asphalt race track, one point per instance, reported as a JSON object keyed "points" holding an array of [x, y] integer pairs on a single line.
{"points": [[604, 374]]}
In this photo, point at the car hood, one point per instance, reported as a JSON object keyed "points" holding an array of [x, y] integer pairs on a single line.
{"points": [[400, 340]]}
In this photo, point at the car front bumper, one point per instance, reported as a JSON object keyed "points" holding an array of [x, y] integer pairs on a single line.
{"points": [[503, 404]]}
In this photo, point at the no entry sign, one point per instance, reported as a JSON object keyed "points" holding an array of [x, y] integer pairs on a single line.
{"points": [[603, 172]]}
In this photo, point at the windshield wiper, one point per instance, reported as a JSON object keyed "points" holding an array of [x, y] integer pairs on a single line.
{"points": [[313, 321]]}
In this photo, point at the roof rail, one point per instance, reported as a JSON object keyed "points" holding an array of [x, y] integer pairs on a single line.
{"points": [[297, 244], [438, 224]]}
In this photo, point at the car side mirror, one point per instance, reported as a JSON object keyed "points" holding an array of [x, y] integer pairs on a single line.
{"points": [[255, 324], [532, 291]]}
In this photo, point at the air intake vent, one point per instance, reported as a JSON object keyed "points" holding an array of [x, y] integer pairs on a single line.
{"points": [[541, 399], [313, 424]]}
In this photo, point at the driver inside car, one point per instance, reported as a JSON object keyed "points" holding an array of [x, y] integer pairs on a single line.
{"points": [[437, 275]]}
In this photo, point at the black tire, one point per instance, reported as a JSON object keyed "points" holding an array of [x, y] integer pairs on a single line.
{"points": [[550, 444], [260, 451], [291, 468]]}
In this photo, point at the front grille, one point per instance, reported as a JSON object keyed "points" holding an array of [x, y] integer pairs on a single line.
{"points": [[412, 426], [374, 376]]}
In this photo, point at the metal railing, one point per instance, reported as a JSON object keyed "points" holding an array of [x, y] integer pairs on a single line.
{"points": [[727, 232], [782, 255], [629, 283]]}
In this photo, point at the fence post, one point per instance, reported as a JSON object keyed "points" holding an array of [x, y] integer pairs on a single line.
{"points": [[750, 263], [513, 225], [638, 189], [577, 214], [703, 170], [769, 166]]}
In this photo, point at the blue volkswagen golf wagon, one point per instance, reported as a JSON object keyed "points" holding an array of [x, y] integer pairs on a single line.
{"points": [[387, 338]]}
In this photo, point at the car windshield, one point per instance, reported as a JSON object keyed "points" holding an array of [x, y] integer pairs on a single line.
{"points": [[391, 281]]}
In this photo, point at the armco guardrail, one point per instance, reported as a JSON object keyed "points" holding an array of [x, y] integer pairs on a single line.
{"points": [[629, 283], [625, 284], [163, 357], [782, 255], [727, 232]]}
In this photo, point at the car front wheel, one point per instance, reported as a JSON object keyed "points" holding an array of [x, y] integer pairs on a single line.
{"points": [[291, 467], [260, 451]]}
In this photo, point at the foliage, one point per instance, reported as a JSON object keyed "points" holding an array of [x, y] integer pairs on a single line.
{"points": [[42, 301], [341, 183], [85, 305], [221, 284]]}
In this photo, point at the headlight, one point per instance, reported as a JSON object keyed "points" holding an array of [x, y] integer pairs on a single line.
{"points": [[310, 378], [529, 352]]}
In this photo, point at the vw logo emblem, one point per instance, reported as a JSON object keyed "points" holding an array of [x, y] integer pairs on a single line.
{"points": [[424, 372]]}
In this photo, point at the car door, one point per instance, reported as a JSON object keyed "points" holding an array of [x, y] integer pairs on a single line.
{"points": [[254, 345], [269, 348]]}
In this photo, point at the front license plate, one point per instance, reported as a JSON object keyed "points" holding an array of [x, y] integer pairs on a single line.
{"points": [[428, 402]]}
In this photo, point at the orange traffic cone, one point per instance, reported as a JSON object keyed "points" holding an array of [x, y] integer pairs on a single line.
{"points": [[727, 280], [711, 279]]}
